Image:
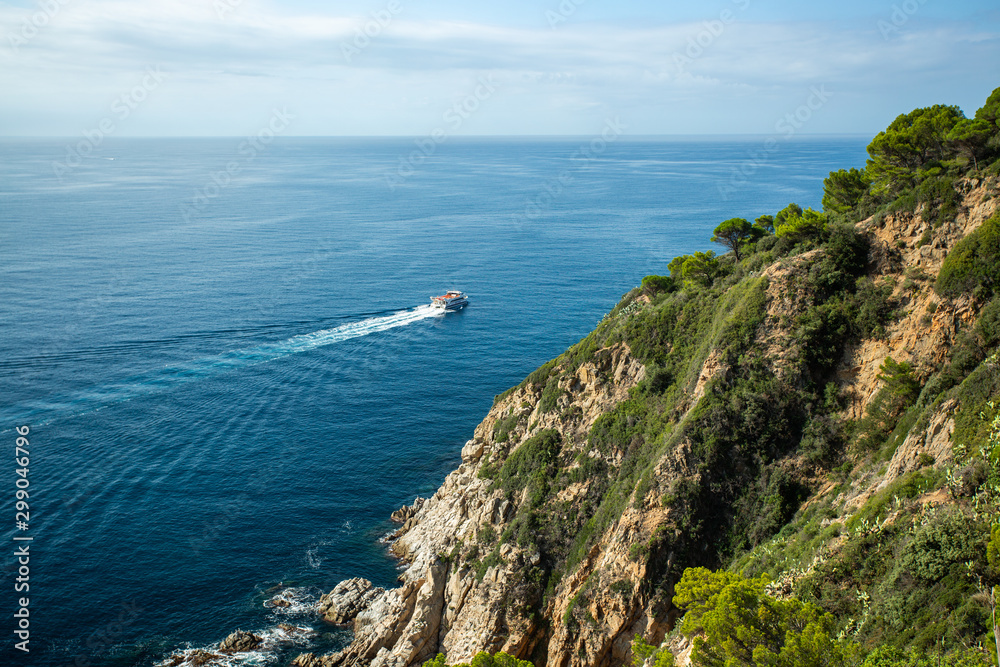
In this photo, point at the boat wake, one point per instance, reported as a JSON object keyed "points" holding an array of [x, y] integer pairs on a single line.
{"points": [[43, 412]]}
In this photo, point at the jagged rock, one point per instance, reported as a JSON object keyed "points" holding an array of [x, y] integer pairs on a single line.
{"points": [[934, 441], [195, 659], [406, 512], [199, 658], [311, 660], [473, 451], [240, 642], [346, 600]]}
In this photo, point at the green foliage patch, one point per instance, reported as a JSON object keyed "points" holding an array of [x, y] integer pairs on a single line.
{"points": [[734, 622], [481, 659], [973, 265]]}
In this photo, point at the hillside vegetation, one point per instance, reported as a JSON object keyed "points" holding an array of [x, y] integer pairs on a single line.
{"points": [[783, 455]]}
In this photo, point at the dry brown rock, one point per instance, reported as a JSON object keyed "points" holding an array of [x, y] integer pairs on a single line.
{"points": [[240, 642], [407, 512], [933, 442]]}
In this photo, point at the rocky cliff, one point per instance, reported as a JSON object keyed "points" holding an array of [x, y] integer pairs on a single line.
{"points": [[588, 487]]}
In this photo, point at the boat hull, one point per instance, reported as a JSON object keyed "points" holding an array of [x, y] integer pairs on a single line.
{"points": [[454, 305]]}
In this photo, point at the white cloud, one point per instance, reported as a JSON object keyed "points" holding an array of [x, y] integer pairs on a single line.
{"points": [[227, 72]]}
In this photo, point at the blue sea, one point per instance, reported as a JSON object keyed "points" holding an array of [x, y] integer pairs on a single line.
{"points": [[230, 374]]}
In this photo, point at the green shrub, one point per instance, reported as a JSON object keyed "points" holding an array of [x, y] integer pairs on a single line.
{"points": [[481, 659], [539, 376], [734, 622], [891, 656], [909, 485], [550, 395], [821, 438], [531, 464], [988, 326], [899, 391], [700, 269], [799, 225], [653, 285], [844, 189], [765, 506], [974, 395], [939, 545], [641, 652], [973, 265], [503, 427]]}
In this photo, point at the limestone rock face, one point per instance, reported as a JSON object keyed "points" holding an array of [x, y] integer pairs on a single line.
{"points": [[472, 452], [924, 333], [311, 660], [933, 442], [346, 600], [405, 513]]}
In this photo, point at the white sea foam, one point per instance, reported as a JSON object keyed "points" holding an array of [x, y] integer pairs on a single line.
{"points": [[293, 601], [273, 641], [313, 557]]}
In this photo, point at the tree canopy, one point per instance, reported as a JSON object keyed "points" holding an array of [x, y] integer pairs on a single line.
{"points": [[990, 111], [701, 268], [797, 224], [843, 189], [482, 659], [911, 142], [733, 233], [765, 224], [735, 622], [970, 137]]}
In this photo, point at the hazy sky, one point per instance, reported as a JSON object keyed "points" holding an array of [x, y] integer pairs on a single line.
{"points": [[413, 67]]}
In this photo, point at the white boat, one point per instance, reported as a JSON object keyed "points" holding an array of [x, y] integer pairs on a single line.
{"points": [[453, 300]]}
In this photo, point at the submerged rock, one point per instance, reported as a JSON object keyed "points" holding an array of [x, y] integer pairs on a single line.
{"points": [[240, 642], [194, 658]]}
